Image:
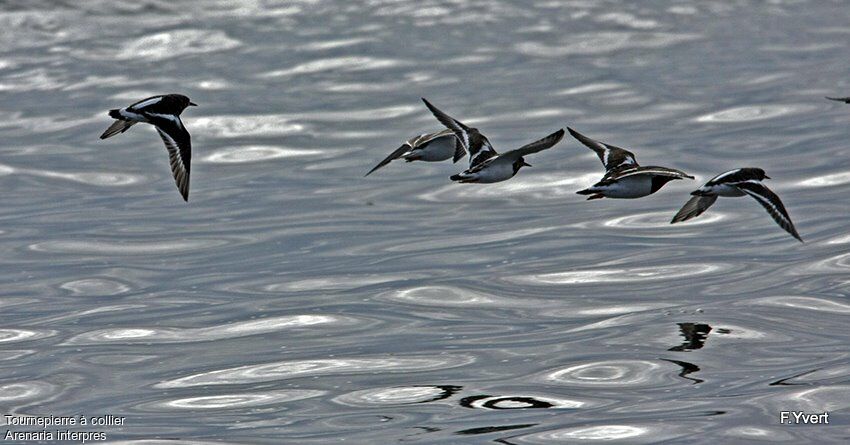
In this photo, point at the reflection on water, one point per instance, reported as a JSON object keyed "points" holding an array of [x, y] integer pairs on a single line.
{"points": [[293, 301]]}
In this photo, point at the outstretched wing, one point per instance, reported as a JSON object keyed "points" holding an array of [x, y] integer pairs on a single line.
{"points": [[620, 173], [694, 207], [611, 156], [771, 203], [460, 130], [475, 143], [393, 156], [119, 126], [534, 147], [179, 146]]}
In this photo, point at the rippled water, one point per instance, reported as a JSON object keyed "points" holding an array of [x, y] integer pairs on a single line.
{"points": [[293, 301]]}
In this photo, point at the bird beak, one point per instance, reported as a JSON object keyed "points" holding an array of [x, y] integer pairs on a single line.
{"points": [[766, 177], [193, 104], [526, 164]]}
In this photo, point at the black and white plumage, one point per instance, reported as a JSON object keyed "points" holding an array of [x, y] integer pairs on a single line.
{"points": [[846, 100], [735, 183], [428, 147], [485, 164], [624, 178], [163, 112]]}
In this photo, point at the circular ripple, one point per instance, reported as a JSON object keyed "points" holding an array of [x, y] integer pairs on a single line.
{"points": [[231, 401], [517, 402], [256, 153], [439, 296], [612, 373], [16, 335], [600, 433], [752, 113], [397, 396], [654, 220], [95, 287], [628, 275], [25, 391]]}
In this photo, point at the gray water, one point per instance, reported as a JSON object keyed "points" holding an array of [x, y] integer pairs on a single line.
{"points": [[294, 301]]}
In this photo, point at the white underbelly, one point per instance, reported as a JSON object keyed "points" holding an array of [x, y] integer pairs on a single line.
{"points": [[629, 188], [496, 172], [438, 150]]}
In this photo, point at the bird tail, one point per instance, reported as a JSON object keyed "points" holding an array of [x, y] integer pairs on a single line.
{"points": [[586, 192], [455, 177]]}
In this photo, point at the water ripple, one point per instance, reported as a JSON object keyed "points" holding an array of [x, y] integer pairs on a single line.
{"points": [[257, 125], [622, 275], [167, 45], [178, 335], [654, 220], [754, 113], [810, 303], [25, 391], [19, 335], [300, 368], [601, 42], [822, 180], [403, 395], [95, 287], [96, 247], [256, 153], [615, 373], [236, 401]]}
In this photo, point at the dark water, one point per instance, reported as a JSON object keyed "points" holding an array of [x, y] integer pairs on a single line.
{"points": [[293, 301]]}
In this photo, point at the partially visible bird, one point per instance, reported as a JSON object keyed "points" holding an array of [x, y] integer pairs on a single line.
{"points": [[734, 183], [485, 164], [624, 178], [428, 147], [163, 112]]}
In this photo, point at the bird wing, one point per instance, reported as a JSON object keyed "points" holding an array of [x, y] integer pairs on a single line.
{"points": [[534, 147], [474, 142], [611, 156], [846, 100], [393, 156], [179, 145], [771, 202], [119, 126], [694, 207], [620, 173]]}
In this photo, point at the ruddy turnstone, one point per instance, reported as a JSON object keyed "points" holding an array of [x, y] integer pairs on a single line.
{"points": [[846, 100], [624, 178], [163, 112], [428, 147], [485, 165], [738, 182]]}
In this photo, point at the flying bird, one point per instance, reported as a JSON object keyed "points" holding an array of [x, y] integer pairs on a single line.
{"points": [[485, 164], [624, 178], [163, 112], [428, 147], [738, 182]]}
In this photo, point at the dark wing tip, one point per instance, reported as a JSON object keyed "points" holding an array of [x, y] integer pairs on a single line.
{"points": [[839, 99], [575, 134]]}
